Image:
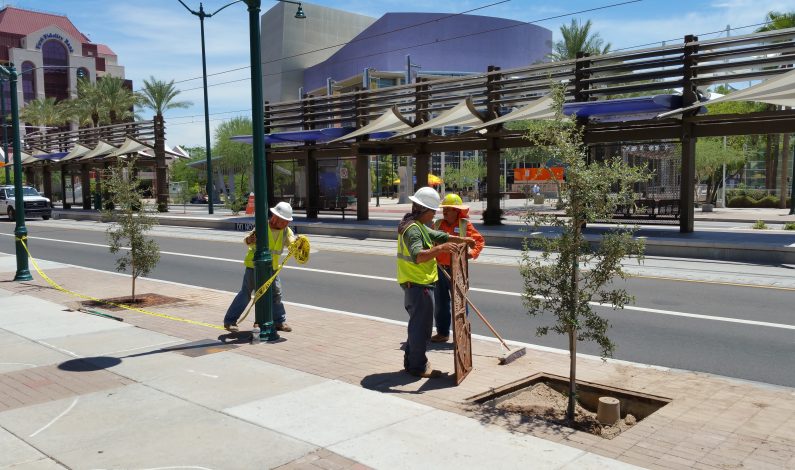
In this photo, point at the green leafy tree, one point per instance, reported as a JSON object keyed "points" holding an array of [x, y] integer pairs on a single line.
{"points": [[130, 221], [236, 157], [711, 155], [87, 108], [470, 172], [577, 37], [554, 281], [778, 20]]}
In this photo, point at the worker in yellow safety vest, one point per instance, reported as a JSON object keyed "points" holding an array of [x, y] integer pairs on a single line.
{"points": [[417, 248], [279, 236]]}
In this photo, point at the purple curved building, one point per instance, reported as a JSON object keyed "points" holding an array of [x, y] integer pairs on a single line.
{"points": [[438, 42]]}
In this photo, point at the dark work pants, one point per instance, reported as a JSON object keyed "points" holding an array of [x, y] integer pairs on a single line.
{"points": [[418, 301], [442, 303]]}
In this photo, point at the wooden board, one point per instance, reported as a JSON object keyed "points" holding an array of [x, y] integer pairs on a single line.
{"points": [[462, 330]]}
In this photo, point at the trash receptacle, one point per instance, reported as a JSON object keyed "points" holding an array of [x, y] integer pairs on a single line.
{"points": [[97, 201]]}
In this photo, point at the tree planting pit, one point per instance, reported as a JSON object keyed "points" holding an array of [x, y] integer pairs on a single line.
{"points": [[545, 397]]}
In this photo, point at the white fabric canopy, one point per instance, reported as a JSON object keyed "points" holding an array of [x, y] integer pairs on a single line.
{"points": [[463, 114], [538, 109], [131, 146], [76, 152], [779, 90], [180, 152], [390, 121], [103, 148]]}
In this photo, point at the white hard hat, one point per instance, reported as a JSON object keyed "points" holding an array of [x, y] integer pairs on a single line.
{"points": [[283, 211], [427, 197]]}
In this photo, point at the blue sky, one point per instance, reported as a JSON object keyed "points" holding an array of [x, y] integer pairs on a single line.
{"points": [[160, 38]]}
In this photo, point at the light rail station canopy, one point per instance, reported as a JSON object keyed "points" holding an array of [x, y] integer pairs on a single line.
{"points": [[389, 122], [101, 150], [132, 146], [462, 114], [779, 90], [76, 152]]}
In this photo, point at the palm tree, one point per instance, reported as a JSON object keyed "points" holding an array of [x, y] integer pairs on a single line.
{"points": [[777, 20], [577, 37], [159, 96], [43, 113], [116, 99], [87, 107]]}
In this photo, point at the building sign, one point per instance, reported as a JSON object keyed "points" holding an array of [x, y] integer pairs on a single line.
{"points": [[47, 36], [538, 174]]}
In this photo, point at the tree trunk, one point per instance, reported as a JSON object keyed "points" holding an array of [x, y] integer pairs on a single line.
{"points": [[161, 170], [132, 271], [575, 289], [782, 204], [768, 159], [572, 374], [774, 161]]}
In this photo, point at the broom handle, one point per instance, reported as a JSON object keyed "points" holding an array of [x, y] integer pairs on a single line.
{"points": [[482, 317]]}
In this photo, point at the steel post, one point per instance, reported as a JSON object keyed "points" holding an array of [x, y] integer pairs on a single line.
{"points": [[209, 187], [20, 232]]}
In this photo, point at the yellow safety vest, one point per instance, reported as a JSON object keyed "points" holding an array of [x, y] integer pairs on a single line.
{"points": [[409, 271], [276, 245]]}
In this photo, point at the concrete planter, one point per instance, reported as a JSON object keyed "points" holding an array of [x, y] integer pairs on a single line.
{"points": [[707, 207], [538, 199]]}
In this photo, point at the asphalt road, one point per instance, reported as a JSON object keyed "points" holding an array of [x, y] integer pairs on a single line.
{"points": [[709, 327]]}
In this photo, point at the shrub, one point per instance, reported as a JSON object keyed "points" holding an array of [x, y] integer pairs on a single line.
{"points": [[741, 201], [789, 226], [759, 225]]}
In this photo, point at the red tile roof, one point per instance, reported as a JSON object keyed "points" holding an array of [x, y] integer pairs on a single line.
{"points": [[23, 22], [105, 50]]}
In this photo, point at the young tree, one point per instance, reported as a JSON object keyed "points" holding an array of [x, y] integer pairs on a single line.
{"points": [[130, 221], [711, 155], [554, 281], [235, 156], [117, 99], [43, 113]]}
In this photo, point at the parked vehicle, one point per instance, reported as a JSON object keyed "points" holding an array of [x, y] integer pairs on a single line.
{"points": [[35, 203]]}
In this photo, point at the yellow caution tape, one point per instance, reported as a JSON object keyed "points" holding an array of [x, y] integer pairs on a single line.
{"points": [[298, 249], [113, 304]]}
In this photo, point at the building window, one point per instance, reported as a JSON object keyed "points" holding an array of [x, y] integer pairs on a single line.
{"points": [[56, 77], [28, 81], [83, 74]]}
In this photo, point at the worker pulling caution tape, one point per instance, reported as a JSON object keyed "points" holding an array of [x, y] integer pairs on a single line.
{"points": [[279, 236]]}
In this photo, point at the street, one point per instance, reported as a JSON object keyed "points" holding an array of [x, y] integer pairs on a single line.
{"points": [[729, 319]]}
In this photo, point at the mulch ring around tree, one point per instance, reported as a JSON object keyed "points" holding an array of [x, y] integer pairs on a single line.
{"points": [[141, 301]]}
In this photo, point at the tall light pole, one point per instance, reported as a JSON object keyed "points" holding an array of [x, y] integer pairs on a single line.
{"points": [[202, 15], [5, 131], [263, 269], [20, 231]]}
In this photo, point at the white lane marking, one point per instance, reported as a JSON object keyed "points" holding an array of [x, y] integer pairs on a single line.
{"points": [[58, 349], [142, 347], [56, 418], [490, 291], [17, 364]]}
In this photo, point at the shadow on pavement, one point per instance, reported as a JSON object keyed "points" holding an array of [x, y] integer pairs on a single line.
{"points": [[89, 364], [391, 382]]}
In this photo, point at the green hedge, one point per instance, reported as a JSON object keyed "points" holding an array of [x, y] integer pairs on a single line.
{"points": [[745, 200]]}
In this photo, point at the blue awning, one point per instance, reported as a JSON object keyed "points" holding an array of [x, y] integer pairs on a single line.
{"points": [[312, 135], [51, 156], [624, 109]]}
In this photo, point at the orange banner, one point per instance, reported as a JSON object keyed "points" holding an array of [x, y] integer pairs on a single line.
{"points": [[538, 174]]}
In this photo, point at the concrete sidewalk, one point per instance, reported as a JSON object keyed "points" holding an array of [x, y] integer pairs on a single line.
{"points": [[83, 391]]}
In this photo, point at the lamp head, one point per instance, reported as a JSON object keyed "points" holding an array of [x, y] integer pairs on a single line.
{"points": [[300, 12]]}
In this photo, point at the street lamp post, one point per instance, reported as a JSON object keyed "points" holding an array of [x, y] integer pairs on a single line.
{"points": [[5, 131], [20, 231], [263, 269]]}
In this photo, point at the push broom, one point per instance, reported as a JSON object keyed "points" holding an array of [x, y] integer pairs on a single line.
{"points": [[509, 355]]}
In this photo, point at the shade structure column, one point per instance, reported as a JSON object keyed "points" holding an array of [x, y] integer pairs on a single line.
{"points": [[362, 191], [422, 166], [161, 170], [64, 174], [312, 189], [493, 213], [687, 186], [46, 175], [85, 186], [421, 155]]}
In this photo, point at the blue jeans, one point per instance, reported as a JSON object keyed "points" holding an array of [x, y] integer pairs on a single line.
{"points": [[441, 312], [243, 297], [418, 301]]}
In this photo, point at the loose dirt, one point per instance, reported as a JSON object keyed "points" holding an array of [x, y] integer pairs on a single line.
{"points": [[543, 402], [141, 301]]}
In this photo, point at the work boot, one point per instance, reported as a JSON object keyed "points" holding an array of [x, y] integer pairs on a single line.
{"points": [[283, 327], [437, 338], [428, 373], [231, 327]]}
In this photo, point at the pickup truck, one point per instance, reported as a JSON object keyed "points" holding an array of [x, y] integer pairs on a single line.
{"points": [[35, 203]]}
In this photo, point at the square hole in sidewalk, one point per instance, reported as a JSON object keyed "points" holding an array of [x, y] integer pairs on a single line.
{"points": [[545, 397]]}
